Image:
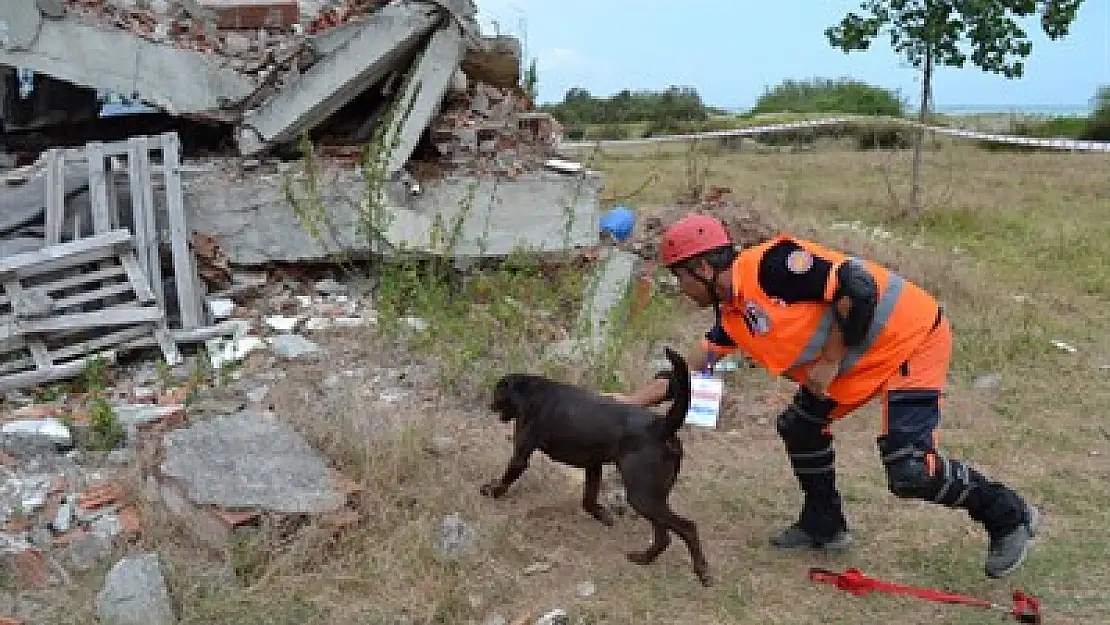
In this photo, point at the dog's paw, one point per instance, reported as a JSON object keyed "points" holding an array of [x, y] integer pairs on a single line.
{"points": [[704, 577], [642, 558], [492, 489], [602, 515]]}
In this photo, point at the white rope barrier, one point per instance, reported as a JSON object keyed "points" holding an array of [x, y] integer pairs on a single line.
{"points": [[1050, 143]]}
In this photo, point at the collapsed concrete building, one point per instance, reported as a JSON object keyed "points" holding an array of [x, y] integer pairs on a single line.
{"points": [[251, 78], [409, 113]]}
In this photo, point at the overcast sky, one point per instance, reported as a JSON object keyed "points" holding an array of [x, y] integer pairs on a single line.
{"points": [[731, 49]]}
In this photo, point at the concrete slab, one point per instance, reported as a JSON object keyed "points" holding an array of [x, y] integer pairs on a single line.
{"points": [[250, 460], [385, 38], [179, 81], [423, 96], [255, 224], [603, 296]]}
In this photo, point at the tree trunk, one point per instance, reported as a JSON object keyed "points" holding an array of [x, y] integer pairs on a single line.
{"points": [[919, 145]]}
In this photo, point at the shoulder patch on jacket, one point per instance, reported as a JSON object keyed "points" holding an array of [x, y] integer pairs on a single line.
{"points": [[799, 261]]}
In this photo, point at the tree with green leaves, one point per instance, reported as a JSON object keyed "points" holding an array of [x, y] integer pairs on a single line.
{"points": [[949, 33]]}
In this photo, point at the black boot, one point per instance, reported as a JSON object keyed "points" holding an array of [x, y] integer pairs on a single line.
{"points": [[1010, 522], [813, 460]]}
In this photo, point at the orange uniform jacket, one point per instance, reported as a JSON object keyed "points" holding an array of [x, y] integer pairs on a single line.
{"points": [[786, 338]]}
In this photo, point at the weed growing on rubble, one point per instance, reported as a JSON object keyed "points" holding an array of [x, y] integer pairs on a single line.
{"points": [[106, 431]]}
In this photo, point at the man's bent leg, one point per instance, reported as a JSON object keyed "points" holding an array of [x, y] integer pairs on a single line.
{"points": [[803, 427], [916, 470]]}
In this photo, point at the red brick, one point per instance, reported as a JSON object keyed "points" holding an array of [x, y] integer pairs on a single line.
{"points": [[98, 496], [29, 567], [235, 14]]}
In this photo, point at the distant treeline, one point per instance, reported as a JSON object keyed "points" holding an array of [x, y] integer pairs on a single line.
{"points": [[633, 114]]}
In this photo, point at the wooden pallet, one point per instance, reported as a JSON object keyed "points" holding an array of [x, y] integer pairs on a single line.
{"points": [[132, 161], [67, 303]]}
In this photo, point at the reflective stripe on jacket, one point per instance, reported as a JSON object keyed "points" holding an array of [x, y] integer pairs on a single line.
{"points": [[786, 338]]}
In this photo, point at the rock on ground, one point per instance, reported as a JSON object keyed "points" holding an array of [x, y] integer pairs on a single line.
{"points": [[250, 460], [135, 593]]}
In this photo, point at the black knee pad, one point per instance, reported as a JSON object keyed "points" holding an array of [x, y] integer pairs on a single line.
{"points": [[908, 477], [806, 414]]}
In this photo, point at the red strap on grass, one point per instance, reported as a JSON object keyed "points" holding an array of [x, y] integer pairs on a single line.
{"points": [[1026, 609]]}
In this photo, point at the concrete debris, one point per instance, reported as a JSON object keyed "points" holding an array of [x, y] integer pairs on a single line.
{"points": [[294, 347], [249, 461], [455, 538], [265, 67], [557, 616], [135, 593], [51, 429]]}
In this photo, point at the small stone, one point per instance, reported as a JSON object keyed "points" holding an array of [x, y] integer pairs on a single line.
{"points": [[331, 287], [455, 537], [121, 457], [496, 619], [585, 589], [441, 445], [282, 323], [294, 346], [64, 516], [258, 394], [41, 537], [986, 381], [416, 323], [557, 616], [221, 307], [50, 428], [537, 567]]}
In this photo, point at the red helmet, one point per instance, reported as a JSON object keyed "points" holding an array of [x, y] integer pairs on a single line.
{"points": [[690, 236]]}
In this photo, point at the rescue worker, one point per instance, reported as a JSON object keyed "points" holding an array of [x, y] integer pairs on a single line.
{"points": [[847, 331]]}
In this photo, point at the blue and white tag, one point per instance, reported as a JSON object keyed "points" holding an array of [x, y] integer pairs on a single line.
{"points": [[706, 391]]}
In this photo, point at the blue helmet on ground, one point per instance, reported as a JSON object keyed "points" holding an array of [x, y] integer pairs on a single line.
{"points": [[619, 222]]}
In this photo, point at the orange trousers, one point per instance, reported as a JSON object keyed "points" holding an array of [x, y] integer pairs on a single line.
{"points": [[912, 397]]}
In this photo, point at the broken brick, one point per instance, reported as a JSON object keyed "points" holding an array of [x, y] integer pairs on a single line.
{"points": [[236, 518], [100, 496], [69, 537], [7, 620], [346, 485], [252, 14], [29, 568], [130, 520], [173, 396]]}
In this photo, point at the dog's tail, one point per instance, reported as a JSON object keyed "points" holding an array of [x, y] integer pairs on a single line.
{"points": [[680, 404]]}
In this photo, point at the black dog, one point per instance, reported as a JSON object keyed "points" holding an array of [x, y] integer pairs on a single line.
{"points": [[582, 429]]}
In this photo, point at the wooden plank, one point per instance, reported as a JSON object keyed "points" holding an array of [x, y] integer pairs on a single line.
{"points": [[74, 321], [65, 255], [54, 374], [108, 273], [142, 187], [135, 156], [104, 292], [55, 196], [98, 187], [39, 354], [111, 176], [135, 274], [164, 339], [183, 267]]}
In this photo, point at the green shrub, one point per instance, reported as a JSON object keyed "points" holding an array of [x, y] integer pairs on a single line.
{"points": [[825, 95]]}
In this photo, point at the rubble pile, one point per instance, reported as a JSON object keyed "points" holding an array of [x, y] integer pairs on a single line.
{"points": [[486, 130], [70, 451]]}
